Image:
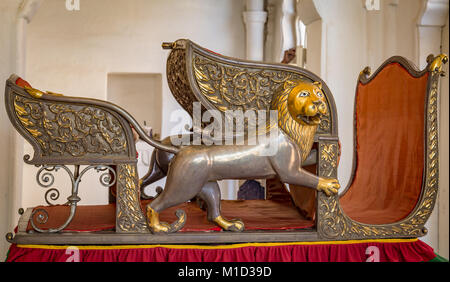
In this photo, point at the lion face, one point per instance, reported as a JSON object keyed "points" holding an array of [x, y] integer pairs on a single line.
{"points": [[306, 103]]}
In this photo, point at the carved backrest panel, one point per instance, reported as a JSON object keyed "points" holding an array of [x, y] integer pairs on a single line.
{"points": [[231, 87], [65, 130], [220, 83]]}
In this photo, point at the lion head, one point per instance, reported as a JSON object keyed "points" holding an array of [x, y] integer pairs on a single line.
{"points": [[306, 102], [300, 105]]}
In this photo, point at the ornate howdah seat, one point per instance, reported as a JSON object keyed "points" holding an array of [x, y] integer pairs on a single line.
{"points": [[394, 180], [391, 194]]}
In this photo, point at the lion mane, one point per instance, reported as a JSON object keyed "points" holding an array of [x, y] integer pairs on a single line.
{"points": [[302, 135]]}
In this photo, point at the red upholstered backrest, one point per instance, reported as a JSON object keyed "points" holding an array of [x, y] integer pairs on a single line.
{"points": [[390, 113], [22, 83]]}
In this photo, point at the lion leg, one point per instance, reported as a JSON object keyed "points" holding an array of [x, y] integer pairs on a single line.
{"points": [[210, 193], [154, 174], [183, 183], [295, 175], [168, 198], [305, 178], [328, 185], [153, 222]]}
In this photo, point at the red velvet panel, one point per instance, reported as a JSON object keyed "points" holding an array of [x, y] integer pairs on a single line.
{"points": [[389, 147], [256, 214], [406, 251]]}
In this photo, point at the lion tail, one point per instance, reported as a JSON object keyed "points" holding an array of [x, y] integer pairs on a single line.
{"points": [[156, 143], [179, 223]]}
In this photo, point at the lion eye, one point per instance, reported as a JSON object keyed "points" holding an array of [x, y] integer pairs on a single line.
{"points": [[319, 94], [303, 94]]}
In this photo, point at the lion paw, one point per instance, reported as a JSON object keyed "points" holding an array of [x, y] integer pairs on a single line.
{"points": [[162, 227], [328, 186], [234, 225], [154, 224]]}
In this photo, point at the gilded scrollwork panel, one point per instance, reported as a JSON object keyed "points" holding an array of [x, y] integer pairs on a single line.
{"points": [[329, 223], [230, 87], [70, 130], [237, 88], [178, 81], [129, 216], [328, 159], [226, 85]]}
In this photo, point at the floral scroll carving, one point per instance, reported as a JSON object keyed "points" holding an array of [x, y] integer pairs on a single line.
{"points": [[129, 214], [236, 88], [70, 130]]}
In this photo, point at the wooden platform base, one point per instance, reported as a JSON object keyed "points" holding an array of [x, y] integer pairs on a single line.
{"points": [[266, 221], [112, 238]]}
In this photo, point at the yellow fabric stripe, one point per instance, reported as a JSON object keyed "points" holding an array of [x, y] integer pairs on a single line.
{"points": [[231, 246]]}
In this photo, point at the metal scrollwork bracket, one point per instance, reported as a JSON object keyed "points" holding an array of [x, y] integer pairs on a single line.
{"points": [[45, 178]]}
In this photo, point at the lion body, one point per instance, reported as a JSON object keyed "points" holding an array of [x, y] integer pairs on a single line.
{"points": [[194, 170]]}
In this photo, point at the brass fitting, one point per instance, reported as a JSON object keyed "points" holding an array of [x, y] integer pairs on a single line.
{"points": [[168, 45]]}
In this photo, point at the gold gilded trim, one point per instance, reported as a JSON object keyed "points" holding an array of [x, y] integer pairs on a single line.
{"points": [[212, 247], [36, 93], [438, 62]]}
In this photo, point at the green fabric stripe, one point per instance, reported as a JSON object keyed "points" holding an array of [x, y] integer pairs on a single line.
{"points": [[438, 258], [7, 255]]}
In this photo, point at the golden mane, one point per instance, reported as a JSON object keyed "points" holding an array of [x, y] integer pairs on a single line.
{"points": [[302, 135]]}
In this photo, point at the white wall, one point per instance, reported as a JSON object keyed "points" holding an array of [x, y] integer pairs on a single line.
{"points": [[444, 155], [140, 94], [8, 29], [71, 52]]}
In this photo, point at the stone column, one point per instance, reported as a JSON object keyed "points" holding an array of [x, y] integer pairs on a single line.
{"points": [[8, 62], [288, 25], [254, 18]]}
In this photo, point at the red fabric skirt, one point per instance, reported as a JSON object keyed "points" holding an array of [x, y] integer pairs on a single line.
{"points": [[390, 250]]}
